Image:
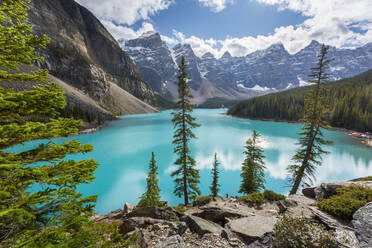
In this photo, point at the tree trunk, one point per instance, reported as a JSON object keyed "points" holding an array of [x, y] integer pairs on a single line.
{"points": [[185, 193]]}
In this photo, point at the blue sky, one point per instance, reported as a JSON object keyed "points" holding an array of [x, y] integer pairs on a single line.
{"points": [[239, 26], [237, 20]]}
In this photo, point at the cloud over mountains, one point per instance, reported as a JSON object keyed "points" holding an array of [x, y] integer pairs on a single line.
{"points": [[340, 23]]}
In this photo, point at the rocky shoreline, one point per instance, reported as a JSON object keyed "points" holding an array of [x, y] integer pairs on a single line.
{"points": [[227, 222]]}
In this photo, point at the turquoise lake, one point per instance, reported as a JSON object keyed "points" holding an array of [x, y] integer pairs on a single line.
{"points": [[123, 149]]}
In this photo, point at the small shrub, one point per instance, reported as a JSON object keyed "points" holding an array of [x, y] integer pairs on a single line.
{"points": [[272, 196], [253, 199], [346, 201], [297, 232], [180, 209], [203, 200]]}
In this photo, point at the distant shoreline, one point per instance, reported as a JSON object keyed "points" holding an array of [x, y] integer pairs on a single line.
{"points": [[364, 141]]}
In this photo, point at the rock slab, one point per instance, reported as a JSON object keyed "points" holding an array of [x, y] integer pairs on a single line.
{"points": [[362, 222], [253, 227], [201, 226]]}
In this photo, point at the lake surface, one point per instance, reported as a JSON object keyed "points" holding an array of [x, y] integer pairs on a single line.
{"points": [[123, 148]]}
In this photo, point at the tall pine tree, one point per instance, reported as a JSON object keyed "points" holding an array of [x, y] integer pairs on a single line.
{"points": [[215, 187], [39, 205], [253, 176], [187, 176], [308, 156], [151, 197]]}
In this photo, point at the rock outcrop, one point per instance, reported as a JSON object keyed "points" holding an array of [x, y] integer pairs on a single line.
{"points": [[253, 228], [325, 190], [226, 222], [362, 222]]}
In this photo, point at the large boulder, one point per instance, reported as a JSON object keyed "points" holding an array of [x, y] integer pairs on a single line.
{"points": [[201, 226], [172, 242], [362, 222], [155, 212], [326, 190], [252, 228]]}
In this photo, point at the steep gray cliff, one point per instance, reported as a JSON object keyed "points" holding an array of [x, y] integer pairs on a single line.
{"points": [[83, 54]]}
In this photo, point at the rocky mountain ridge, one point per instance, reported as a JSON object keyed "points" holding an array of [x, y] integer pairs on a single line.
{"points": [[208, 79], [83, 55], [264, 71]]}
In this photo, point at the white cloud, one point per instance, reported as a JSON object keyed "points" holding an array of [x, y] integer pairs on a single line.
{"points": [[169, 40], [216, 5], [124, 32], [125, 11], [332, 22]]}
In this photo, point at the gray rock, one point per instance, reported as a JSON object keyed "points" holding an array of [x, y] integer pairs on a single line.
{"points": [[84, 54], [265, 241], [283, 205], [177, 228], [171, 242], [309, 192], [128, 208], [156, 213], [329, 220], [114, 215], [252, 228], [219, 215], [133, 223], [344, 234], [362, 222], [201, 226], [346, 238], [144, 239]]}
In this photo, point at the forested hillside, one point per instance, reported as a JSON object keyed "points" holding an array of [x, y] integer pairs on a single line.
{"points": [[349, 103]]}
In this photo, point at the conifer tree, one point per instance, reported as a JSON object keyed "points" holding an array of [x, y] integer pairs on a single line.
{"points": [[187, 176], [50, 213], [215, 187], [253, 176], [308, 156], [151, 197]]}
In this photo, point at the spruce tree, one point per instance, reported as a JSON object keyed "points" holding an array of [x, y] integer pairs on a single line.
{"points": [[253, 176], [308, 156], [39, 205], [215, 187], [187, 176], [151, 197]]}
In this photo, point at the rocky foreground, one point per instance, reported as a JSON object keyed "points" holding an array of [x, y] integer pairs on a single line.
{"points": [[227, 222]]}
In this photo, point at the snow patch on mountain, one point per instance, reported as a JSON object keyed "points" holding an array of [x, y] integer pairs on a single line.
{"points": [[257, 88], [302, 82]]}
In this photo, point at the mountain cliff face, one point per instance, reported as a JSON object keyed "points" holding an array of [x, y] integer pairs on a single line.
{"points": [[153, 59], [85, 56], [261, 72]]}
